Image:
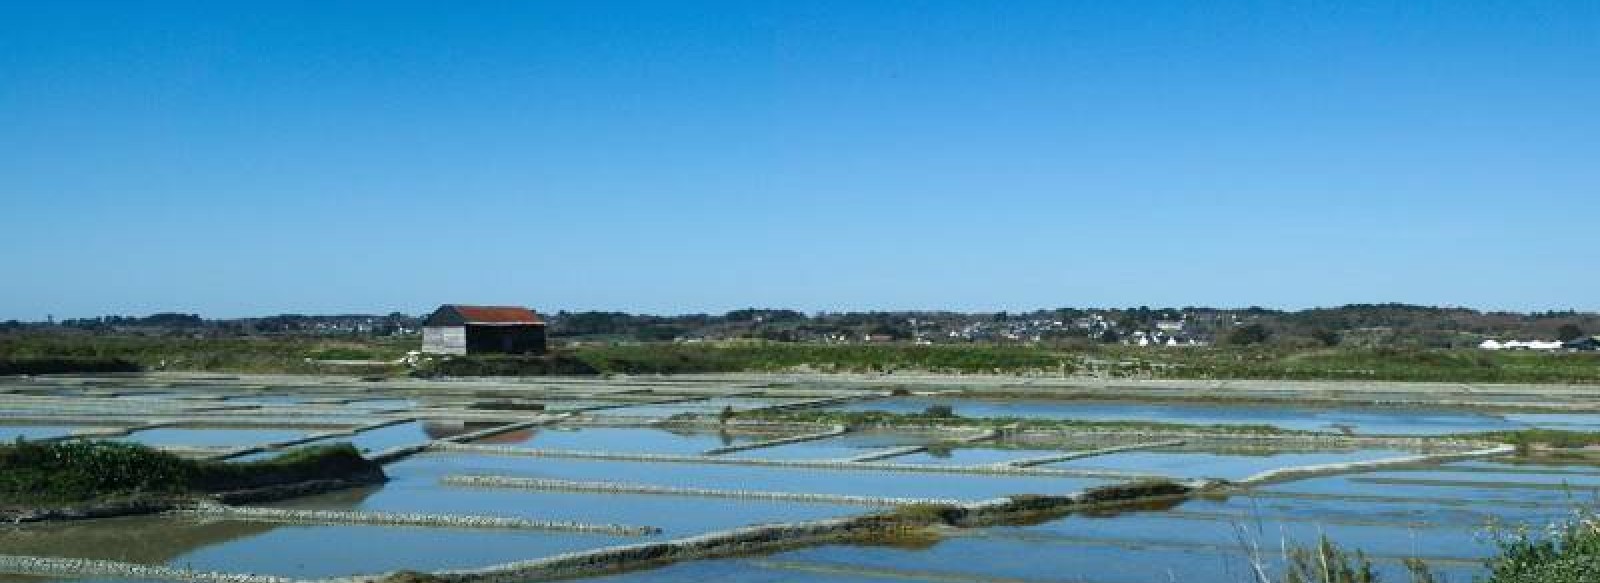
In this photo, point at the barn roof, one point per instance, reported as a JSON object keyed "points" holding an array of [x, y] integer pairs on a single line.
{"points": [[457, 314]]}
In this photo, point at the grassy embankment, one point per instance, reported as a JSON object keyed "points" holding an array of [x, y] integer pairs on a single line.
{"points": [[1461, 365], [883, 419], [243, 355], [76, 472], [1527, 440], [301, 355]]}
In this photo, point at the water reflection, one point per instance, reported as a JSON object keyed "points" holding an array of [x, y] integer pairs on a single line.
{"points": [[139, 539]]}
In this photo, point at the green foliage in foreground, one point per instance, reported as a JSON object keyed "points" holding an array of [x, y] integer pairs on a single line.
{"points": [[1564, 553], [67, 472], [1568, 553], [939, 417]]}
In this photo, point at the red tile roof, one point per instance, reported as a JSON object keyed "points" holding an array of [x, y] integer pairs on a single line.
{"points": [[498, 315]]}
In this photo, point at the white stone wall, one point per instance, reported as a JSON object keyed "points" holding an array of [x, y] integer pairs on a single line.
{"points": [[444, 339]]}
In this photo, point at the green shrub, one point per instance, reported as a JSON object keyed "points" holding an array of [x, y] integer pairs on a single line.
{"points": [[77, 471], [1566, 553], [1327, 563], [925, 514]]}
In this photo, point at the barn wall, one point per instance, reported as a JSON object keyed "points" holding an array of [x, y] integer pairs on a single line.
{"points": [[444, 339], [528, 339]]}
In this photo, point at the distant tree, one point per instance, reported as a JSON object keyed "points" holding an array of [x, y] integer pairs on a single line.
{"points": [[1248, 334], [1110, 336], [892, 331], [659, 332], [726, 415], [1569, 332], [1326, 337], [939, 411]]}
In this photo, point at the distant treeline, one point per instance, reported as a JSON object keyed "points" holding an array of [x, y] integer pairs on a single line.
{"points": [[1355, 325], [1361, 325], [42, 353], [1220, 362]]}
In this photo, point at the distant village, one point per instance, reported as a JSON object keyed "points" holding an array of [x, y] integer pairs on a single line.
{"points": [[1164, 328]]}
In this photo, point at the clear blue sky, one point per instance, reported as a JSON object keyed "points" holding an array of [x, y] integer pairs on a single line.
{"points": [[238, 159]]}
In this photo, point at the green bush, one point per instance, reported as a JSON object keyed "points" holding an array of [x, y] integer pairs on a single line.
{"points": [[1567, 553], [77, 471], [927, 514]]}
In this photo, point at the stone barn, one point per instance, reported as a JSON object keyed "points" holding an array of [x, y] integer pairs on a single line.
{"points": [[457, 329]]}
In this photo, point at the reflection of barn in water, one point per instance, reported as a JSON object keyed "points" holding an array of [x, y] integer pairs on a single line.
{"points": [[443, 429]]}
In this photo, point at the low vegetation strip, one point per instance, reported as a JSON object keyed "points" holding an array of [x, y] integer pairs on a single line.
{"points": [[1074, 455], [283, 515], [784, 463], [626, 488], [263, 354], [38, 477], [42, 353], [834, 431], [668, 358], [1529, 439], [949, 420], [78, 568]]}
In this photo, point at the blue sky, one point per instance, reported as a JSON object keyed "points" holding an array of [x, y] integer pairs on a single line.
{"points": [[240, 159]]}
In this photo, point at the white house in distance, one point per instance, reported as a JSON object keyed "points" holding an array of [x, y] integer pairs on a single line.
{"points": [[1492, 344]]}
